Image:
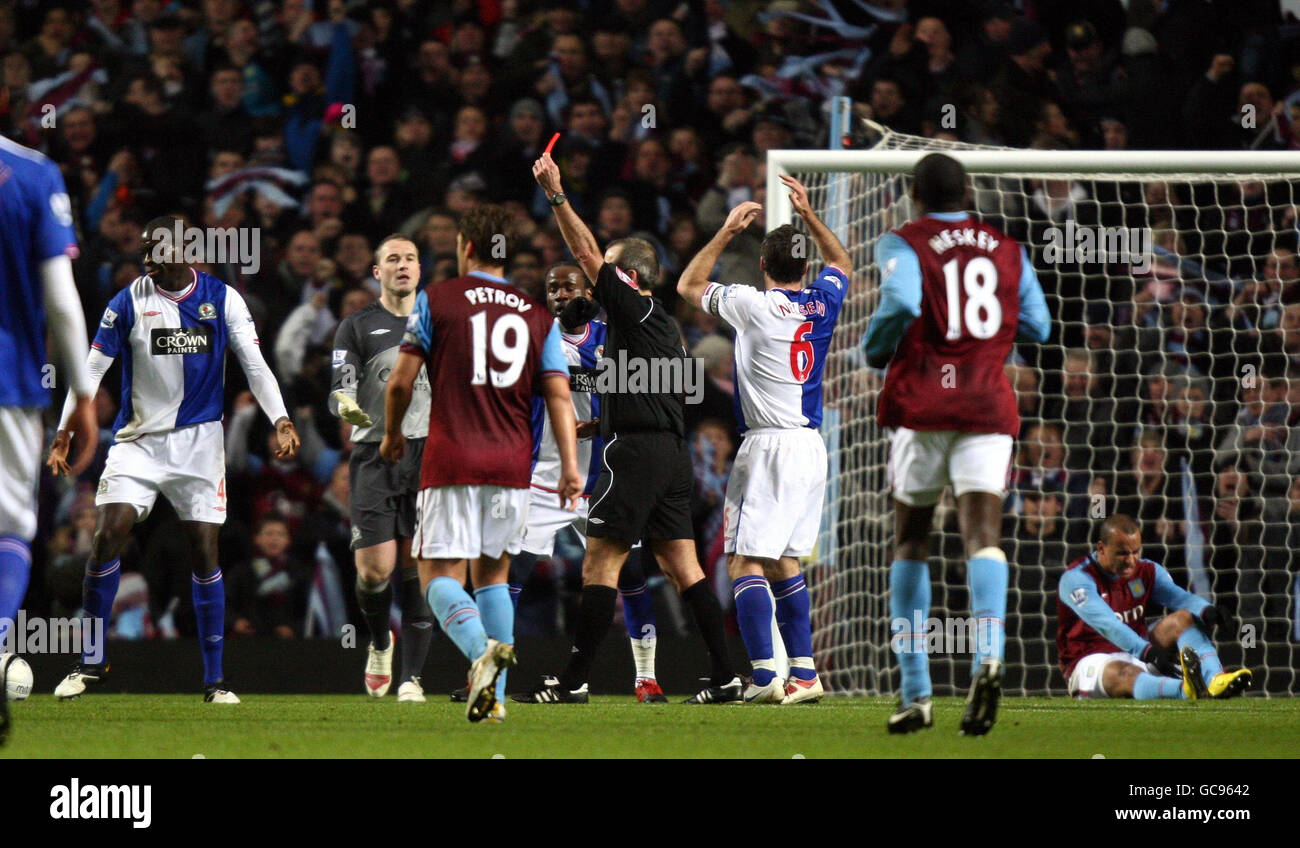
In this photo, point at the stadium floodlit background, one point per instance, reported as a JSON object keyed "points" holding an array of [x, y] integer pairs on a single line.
{"points": [[328, 125]]}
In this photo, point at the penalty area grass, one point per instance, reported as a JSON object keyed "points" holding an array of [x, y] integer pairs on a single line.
{"points": [[182, 726]]}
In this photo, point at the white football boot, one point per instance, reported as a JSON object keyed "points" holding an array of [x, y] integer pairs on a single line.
{"points": [[379, 670], [410, 692]]}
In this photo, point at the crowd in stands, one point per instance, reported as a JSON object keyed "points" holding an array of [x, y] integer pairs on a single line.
{"points": [[327, 125]]}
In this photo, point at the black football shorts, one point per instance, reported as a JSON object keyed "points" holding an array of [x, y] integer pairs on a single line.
{"points": [[644, 489]]}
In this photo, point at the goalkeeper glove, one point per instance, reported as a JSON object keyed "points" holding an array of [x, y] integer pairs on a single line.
{"points": [[350, 412], [578, 312], [1156, 656]]}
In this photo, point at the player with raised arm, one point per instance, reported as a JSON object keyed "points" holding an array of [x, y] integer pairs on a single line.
{"points": [[955, 294], [1102, 642], [171, 328], [37, 294], [584, 343], [382, 505], [488, 349], [646, 480], [774, 496]]}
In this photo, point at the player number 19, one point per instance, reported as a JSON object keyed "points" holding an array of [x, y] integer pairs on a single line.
{"points": [[980, 280], [511, 353]]}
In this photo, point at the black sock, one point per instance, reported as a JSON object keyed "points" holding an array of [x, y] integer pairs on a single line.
{"points": [[594, 619], [376, 602], [708, 617], [417, 624]]}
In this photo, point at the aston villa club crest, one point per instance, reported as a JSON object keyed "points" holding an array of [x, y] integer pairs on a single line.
{"points": [[207, 312], [1136, 588]]}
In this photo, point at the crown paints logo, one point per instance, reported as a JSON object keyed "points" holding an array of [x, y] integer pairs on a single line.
{"points": [[169, 341]]}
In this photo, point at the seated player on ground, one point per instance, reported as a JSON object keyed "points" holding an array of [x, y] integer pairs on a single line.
{"points": [[1102, 641]]}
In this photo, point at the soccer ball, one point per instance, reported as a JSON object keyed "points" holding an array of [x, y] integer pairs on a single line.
{"points": [[17, 675]]}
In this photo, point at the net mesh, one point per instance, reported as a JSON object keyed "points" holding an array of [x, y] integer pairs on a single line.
{"points": [[1167, 391]]}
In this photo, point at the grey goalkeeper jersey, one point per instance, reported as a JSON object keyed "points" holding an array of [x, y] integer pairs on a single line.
{"points": [[366, 346]]}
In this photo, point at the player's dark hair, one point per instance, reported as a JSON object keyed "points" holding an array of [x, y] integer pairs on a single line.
{"points": [[638, 255], [393, 237], [1117, 523], [939, 183], [490, 229], [778, 253], [162, 222]]}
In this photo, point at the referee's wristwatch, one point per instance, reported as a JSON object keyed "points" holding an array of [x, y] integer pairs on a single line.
{"points": [[558, 199]]}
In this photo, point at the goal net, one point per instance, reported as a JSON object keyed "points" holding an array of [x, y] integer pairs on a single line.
{"points": [[1168, 390]]}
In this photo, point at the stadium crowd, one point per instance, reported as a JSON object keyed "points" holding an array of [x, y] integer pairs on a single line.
{"points": [[328, 125]]}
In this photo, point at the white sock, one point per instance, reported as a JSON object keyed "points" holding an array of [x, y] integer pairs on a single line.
{"points": [[643, 656], [805, 663]]}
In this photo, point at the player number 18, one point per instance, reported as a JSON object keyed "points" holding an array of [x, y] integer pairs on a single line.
{"points": [[980, 280]]}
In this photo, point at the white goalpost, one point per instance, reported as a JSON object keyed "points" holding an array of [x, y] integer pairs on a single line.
{"points": [[1168, 389]]}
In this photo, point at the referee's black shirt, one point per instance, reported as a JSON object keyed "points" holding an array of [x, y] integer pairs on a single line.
{"points": [[642, 334]]}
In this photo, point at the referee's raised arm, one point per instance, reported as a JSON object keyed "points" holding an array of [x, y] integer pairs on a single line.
{"points": [[582, 244]]}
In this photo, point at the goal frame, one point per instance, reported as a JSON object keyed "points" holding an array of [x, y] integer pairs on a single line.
{"points": [[1007, 162], [1018, 162]]}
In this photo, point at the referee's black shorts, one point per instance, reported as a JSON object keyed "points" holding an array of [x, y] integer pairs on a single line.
{"points": [[644, 489], [382, 499]]}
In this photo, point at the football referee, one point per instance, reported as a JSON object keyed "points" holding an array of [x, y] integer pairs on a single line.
{"points": [[382, 501], [645, 483]]}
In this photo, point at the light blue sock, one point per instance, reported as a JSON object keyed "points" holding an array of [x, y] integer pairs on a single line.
{"points": [[498, 621], [909, 600], [1204, 648], [988, 600], [457, 615], [1149, 686], [15, 569]]}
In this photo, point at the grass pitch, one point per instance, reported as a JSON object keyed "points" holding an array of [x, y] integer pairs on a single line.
{"points": [[182, 726]]}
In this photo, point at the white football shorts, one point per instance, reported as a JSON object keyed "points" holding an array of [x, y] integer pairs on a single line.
{"points": [[923, 462], [773, 505], [1085, 681], [546, 518], [187, 466], [467, 522], [21, 435]]}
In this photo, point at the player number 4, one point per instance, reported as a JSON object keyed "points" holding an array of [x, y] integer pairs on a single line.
{"points": [[802, 355], [980, 280], [509, 339]]}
